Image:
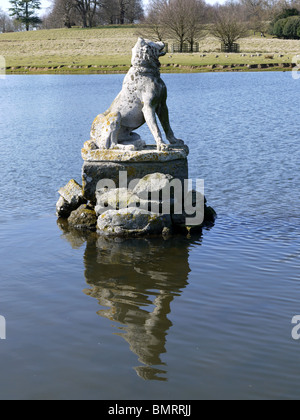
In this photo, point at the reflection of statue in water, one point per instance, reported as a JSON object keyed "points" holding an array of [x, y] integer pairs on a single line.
{"points": [[136, 280]]}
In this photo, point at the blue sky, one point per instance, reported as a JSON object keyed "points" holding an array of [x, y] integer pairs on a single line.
{"points": [[4, 4]]}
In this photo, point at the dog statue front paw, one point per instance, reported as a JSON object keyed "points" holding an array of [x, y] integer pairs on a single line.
{"points": [[177, 142], [162, 147]]}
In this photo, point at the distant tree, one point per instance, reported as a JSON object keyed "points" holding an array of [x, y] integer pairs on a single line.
{"points": [[277, 29], [135, 11], [183, 20], [287, 28], [24, 12], [277, 25], [6, 24], [122, 11], [256, 13], [109, 8], [87, 10], [153, 27], [196, 18], [286, 13], [228, 27], [122, 6], [64, 9], [290, 30], [62, 14]]}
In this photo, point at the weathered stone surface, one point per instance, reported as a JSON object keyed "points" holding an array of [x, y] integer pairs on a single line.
{"points": [[83, 218], [90, 153], [132, 223], [115, 199], [63, 208], [93, 172], [72, 192], [153, 183], [71, 197]]}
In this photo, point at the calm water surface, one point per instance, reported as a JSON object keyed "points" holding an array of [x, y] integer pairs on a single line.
{"points": [[187, 318]]}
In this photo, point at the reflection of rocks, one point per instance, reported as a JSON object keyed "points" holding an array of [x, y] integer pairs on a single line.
{"points": [[135, 281], [76, 238]]}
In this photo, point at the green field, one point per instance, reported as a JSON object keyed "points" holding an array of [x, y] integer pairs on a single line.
{"points": [[108, 49]]}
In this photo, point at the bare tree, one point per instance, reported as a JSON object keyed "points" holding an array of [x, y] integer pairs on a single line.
{"points": [[153, 27], [183, 20], [63, 14], [66, 10], [109, 8], [87, 10], [256, 13], [135, 11], [229, 27], [122, 11], [6, 24], [122, 6], [196, 18]]}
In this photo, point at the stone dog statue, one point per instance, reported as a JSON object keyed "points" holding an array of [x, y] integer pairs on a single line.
{"points": [[143, 96]]}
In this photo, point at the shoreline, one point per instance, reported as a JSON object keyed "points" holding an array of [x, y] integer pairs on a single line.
{"points": [[167, 68]]}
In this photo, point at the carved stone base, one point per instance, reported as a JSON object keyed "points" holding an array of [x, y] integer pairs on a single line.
{"points": [[107, 164]]}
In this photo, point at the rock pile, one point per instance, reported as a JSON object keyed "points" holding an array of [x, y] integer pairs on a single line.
{"points": [[150, 208]]}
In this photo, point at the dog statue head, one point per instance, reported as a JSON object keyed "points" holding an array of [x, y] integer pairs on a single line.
{"points": [[146, 53]]}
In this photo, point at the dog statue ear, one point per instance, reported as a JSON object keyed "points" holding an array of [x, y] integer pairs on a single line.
{"points": [[141, 41]]}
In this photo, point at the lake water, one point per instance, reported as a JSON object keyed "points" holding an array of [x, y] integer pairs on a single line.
{"points": [[207, 317]]}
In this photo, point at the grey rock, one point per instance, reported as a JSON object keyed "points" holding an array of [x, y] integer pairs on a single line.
{"points": [[132, 223], [71, 197], [72, 192], [153, 185], [83, 218], [115, 199], [63, 208], [94, 172]]}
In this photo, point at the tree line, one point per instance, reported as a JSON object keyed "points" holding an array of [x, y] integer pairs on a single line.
{"points": [[23, 14], [187, 21], [90, 13], [286, 25], [184, 21]]}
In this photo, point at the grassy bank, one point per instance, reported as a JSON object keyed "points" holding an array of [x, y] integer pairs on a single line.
{"points": [[108, 50]]}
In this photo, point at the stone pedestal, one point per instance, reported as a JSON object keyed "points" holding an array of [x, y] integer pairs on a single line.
{"points": [[107, 164]]}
